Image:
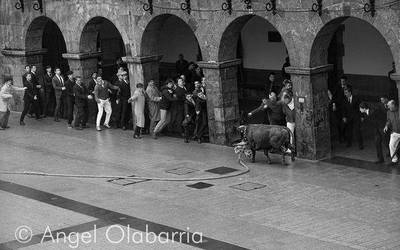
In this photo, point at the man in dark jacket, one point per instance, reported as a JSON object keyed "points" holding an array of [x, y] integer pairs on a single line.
{"points": [[124, 95], [181, 65], [377, 118], [352, 118], [48, 90], [274, 110], [190, 116], [30, 99], [165, 104], [81, 101], [70, 99], [59, 91], [177, 107]]}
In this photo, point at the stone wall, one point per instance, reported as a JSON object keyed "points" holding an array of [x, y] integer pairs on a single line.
{"points": [[306, 36]]}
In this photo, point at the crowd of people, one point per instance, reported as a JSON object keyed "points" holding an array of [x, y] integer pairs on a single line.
{"points": [[348, 112], [180, 102]]}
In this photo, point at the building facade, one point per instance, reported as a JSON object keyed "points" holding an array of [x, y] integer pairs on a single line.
{"points": [[66, 33]]}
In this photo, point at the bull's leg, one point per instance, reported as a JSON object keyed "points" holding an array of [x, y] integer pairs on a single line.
{"points": [[267, 155], [253, 157]]}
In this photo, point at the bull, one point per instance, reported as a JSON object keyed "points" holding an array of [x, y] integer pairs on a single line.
{"points": [[270, 138]]}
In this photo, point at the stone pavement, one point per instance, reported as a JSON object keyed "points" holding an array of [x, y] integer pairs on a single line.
{"points": [[305, 205]]}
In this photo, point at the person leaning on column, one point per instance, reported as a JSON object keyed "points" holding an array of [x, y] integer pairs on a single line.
{"points": [[393, 123]]}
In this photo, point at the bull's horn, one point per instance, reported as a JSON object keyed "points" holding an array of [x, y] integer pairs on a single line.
{"points": [[242, 127]]}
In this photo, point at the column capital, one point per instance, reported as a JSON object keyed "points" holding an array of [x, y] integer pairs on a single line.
{"points": [[142, 59], [219, 65], [309, 71], [81, 56], [22, 53]]}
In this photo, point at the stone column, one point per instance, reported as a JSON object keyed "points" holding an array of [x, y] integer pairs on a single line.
{"points": [[82, 64], [396, 77], [143, 69], [222, 99], [310, 88], [16, 61]]}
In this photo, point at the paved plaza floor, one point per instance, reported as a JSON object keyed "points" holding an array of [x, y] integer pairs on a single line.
{"points": [[304, 205]]}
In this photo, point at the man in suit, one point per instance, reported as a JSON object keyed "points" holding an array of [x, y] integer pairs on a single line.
{"points": [[30, 99], [59, 91], [38, 88], [48, 90], [377, 118], [124, 95], [69, 97], [81, 101], [352, 118], [27, 71]]}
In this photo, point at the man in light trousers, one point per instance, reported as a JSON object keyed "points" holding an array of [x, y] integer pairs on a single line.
{"points": [[102, 97], [393, 124]]}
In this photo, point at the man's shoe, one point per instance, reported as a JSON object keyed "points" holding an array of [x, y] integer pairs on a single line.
{"points": [[361, 147], [186, 141], [391, 163], [56, 120], [98, 128], [155, 136], [79, 128], [22, 123], [85, 126], [199, 141], [107, 126], [123, 128], [69, 126], [7, 127], [1, 128]]}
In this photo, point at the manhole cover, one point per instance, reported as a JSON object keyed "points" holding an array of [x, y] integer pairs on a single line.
{"points": [[126, 182], [200, 185], [221, 170], [181, 171], [248, 186]]}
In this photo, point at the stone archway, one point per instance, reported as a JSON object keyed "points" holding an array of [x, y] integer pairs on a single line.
{"points": [[45, 44], [261, 50], [101, 46], [163, 39], [366, 63]]}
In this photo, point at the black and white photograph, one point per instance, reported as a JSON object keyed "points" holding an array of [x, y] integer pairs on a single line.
{"points": [[200, 124]]}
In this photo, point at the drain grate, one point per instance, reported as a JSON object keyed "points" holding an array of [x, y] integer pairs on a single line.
{"points": [[181, 171], [126, 182], [221, 170], [200, 185], [248, 186]]}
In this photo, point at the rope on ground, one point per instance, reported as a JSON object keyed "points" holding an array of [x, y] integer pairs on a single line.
{"points": [[245, 169]]}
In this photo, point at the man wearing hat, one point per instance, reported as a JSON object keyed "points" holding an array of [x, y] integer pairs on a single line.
{"points": [[6, 94], [70, 98], [47, 90], [124, 95]]}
